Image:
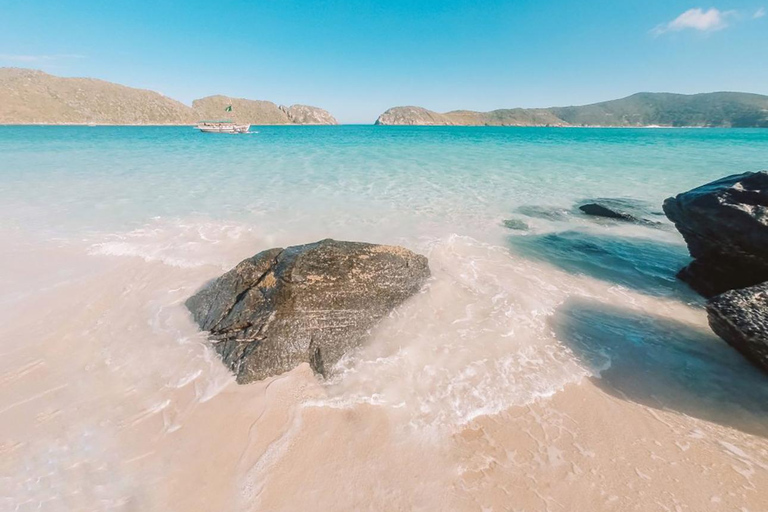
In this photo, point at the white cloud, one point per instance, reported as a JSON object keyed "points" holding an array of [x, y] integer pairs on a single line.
{"points": [[759, 13], [38, 58], [697, 19]]}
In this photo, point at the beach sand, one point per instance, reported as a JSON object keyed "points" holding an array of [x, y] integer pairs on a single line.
{"points": [[113, 400]]}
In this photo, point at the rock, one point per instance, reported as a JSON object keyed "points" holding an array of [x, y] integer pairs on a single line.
{"points": [[515, 224], [624, 209], [599, 210], [309, 303], [740, 317], [725, 224]]}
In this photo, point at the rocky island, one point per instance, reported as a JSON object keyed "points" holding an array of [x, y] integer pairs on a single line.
{"points": [[33, 97], [717, 109]]}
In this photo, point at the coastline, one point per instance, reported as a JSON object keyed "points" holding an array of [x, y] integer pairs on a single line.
{"points": [[205, 443], [648, 127], [562, 365]]}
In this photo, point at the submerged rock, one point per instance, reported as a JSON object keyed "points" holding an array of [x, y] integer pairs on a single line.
{"points": [[624, 209], [544, 212], [309, 303], [599, 210], [740, 317], [725, 224], [515, 224]]}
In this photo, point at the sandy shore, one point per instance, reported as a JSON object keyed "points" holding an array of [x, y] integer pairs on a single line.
{"points": [[112, 400]]}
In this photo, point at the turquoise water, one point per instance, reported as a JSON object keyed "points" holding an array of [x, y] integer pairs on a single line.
{"points": [[78, 179], [190, 200], [108, 230]]}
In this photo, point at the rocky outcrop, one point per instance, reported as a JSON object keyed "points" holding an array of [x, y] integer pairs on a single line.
{"points": [[740, 317], [304, 114], [310, 303], [725, 224]]}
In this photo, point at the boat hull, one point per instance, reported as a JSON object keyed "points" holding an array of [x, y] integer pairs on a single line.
{"points": [[223, 128]]}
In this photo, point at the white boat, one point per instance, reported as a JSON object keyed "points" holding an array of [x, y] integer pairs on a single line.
{"points": [[222, 127]]}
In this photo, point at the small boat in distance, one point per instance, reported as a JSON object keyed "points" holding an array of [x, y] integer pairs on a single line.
{"points": [[223, 126]]}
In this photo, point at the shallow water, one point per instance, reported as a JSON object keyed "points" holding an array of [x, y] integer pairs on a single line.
{"points": [[111, 398]]}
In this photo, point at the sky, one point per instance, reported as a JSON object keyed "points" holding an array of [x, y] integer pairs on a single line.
{"points": [[356, 58]]}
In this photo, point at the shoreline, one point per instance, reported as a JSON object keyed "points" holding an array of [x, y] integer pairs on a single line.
{"points": [[648, 127]]}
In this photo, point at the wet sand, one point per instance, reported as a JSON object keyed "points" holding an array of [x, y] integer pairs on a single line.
{"points": [[111, 399]]}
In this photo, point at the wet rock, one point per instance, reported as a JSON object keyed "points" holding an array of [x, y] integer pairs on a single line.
{"points": [[598, 210], [623, 209], [515, 224], [725, 224], [740, 317], [309, 303]]}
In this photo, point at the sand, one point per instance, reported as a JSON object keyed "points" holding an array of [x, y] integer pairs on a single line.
{"points": [[110, 399]]}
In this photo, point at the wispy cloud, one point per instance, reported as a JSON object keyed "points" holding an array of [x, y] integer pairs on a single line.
{"points": [[759, 13], [697, 19], [39, 58]]}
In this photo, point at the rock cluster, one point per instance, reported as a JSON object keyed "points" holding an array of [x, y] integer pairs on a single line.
{"points": [[725, 224], [741, 318], [310, 303]]}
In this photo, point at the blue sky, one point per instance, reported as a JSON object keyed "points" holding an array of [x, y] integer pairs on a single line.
{"points": [[358, 57]]}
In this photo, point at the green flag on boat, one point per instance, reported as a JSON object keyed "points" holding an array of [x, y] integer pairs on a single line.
{"points": [[228, 109]]}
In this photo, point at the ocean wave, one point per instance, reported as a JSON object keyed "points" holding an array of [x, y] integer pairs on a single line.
{"points": [[184, 243]]}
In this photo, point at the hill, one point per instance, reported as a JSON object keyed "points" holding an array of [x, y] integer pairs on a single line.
{"points": [[717, 109], [259, 112], [33, 97]]}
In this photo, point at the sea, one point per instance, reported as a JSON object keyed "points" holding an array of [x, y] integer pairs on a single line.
{"points": [[552, 362]]}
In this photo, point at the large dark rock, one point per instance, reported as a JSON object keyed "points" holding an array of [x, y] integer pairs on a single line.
{"points": [[623, 209], [599, 210], [725, 224], [740, 317], [309, 303]]}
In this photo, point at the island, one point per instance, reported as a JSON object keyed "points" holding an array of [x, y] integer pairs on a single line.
{"points": [[645, 109], [30, 96]]}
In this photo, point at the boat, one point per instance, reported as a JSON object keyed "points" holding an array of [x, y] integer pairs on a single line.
{"points": [[222, 127]]}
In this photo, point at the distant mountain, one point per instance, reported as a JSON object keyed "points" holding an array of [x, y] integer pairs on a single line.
{"points": [[30, 97], [259, 112], [34, 97], [717, 109]]}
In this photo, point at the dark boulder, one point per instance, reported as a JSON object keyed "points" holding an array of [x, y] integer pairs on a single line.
{"points": [[725, 224], [309, 303], [598, 210], [623, 209], [740, 317]]}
